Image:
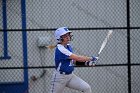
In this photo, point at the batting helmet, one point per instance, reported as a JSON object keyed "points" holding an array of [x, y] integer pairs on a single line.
{"points": [[61, 31]]}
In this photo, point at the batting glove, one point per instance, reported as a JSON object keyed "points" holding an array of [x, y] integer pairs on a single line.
{"points": [[94, 58], [90, 63]]}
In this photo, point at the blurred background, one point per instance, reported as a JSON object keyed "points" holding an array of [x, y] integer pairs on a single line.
{"points": [[27, 27]]}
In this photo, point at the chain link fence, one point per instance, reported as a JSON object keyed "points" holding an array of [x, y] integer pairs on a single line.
{"points": [[26, 28]]}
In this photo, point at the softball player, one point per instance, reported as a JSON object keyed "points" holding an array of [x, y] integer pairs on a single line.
{"points": [[65, 60]]}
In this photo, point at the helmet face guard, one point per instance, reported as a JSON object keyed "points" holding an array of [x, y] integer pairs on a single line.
{"points": [[60, 32], [63, 36]]}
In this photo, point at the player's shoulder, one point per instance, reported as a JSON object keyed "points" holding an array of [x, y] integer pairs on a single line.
{"points": [[60, 46], [63, 50]]}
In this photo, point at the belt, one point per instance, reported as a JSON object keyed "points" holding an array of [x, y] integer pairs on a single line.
{"points": [[65, 73]]}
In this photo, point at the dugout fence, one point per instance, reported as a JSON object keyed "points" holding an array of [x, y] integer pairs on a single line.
{"points": [[26, 66]]}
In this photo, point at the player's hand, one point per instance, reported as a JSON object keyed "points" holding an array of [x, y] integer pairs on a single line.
{"points": [[94, 58], [90, 63]]}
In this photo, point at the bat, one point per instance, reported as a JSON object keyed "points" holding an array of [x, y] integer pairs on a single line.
{"points": [[105, 41]]}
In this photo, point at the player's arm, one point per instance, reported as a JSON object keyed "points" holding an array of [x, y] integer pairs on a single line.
{"points": [[83, 60], [73, 56], [80, 58], [77, 58], [86, 63]]}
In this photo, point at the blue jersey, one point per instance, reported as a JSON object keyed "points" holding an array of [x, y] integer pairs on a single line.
{"points": [[62, 61]]}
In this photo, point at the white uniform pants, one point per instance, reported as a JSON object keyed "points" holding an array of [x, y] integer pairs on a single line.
{"points": [[60, 81]]}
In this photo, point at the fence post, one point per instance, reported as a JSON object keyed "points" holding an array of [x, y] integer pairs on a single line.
{"points": [[24, 40], [128, 46]]}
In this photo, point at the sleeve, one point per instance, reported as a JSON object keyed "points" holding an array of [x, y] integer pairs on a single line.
{"points": [[63, 50]]}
